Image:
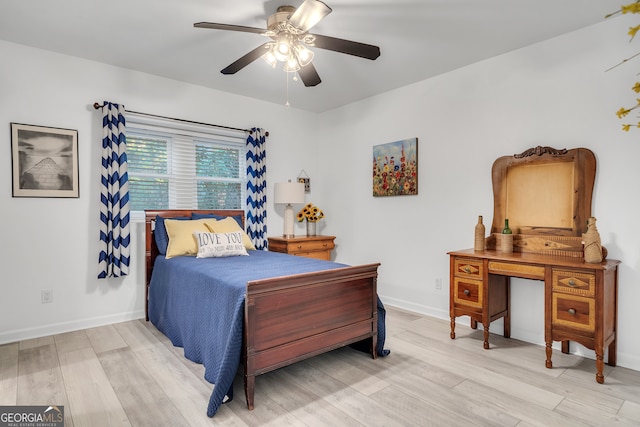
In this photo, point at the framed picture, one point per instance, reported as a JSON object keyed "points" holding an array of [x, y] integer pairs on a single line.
{"points": [[395, 168], [44, 161]]}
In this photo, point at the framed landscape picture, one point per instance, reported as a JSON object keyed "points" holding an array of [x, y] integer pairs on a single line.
{"points": [[44, 161], [395, 168]]}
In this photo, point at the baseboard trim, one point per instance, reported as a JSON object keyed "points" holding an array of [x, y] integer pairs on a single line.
{"points": [[63, 327], [416, 308]]}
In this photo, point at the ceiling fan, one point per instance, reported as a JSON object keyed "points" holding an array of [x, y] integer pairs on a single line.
{"points": [[288, 30]]}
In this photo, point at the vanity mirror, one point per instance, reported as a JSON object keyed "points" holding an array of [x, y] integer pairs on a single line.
{"points": [[545, 193]]}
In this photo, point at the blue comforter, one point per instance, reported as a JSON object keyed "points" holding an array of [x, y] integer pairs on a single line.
{"points": [[199, 305]]}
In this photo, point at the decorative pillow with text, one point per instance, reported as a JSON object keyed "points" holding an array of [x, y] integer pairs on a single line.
{"points": [[219, 244], [228, 225]]}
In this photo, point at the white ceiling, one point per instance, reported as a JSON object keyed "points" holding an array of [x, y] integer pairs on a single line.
{"points": [[418, 39]]}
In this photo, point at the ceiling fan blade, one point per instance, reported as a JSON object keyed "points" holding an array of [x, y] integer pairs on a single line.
{"points": [[309, 14], [309, 75], [214, 26], [349, 47], [246, 60]]}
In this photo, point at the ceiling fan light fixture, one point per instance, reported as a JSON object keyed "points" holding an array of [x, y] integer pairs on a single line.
{"points": [[303, 54], [270, 58], [282, 50], [291, 65]]}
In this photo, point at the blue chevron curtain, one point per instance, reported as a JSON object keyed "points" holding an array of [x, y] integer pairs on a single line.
{"points": [[257, 187], [114, 195]]}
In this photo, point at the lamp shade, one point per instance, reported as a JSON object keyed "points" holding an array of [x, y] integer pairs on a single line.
{"points": [[288, 193]]}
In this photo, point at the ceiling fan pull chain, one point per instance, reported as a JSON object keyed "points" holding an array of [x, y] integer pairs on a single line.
{"points": [[287, 103]]}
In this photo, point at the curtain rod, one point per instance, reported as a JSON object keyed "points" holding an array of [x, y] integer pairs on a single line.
{"points": [[97, 105]]}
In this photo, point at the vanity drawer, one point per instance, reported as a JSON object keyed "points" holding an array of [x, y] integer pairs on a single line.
{"points": [[467, 292], [573, 311], [574, 282], [517, 270], [471, 268]]}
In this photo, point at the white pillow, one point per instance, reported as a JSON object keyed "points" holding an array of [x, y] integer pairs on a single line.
{"points": [[219, 244]]}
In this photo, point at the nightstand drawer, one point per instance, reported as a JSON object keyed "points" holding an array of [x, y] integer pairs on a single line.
{"points": [[467, 292], [574, 282], [318, 247], [325, 255], [471, 268], [573, 311], [314, 245]]}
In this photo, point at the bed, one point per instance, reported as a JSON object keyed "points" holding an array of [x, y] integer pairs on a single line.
{"points": [[249, 310]]}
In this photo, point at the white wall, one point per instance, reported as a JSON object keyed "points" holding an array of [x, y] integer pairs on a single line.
{"points": [[52, 244], [554, 93]]}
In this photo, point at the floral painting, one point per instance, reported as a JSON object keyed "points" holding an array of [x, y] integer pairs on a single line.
{"points": [[395, 168]]}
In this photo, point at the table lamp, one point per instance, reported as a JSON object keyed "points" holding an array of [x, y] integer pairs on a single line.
{"points": [[288, 193]]}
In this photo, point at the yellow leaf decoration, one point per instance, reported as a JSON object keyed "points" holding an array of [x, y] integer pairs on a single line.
{"points": [[622, 112], [629, 8]]}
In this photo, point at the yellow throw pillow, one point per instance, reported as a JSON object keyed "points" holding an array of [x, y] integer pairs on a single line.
{"points": [[227, 225], [181, 239]]}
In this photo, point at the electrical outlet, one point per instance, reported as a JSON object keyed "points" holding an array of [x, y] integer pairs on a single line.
{"points": [[46, 296], [438, 284]]}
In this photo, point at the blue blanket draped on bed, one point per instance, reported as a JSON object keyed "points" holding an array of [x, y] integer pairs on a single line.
{"points": [[199, 305]]}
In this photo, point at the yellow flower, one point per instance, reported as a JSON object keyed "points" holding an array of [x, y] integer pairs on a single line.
{"points": [[633, 31], [636, 87], [311, 213], [626, 128]]}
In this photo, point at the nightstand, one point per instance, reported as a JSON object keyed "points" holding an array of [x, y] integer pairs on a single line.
{"points": [[318, 247]]}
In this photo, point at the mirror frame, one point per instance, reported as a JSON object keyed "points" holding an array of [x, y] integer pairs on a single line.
{"points": [[583, 161]]}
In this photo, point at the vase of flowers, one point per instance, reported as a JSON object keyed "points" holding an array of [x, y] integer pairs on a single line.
{"points": [[312, 214]]}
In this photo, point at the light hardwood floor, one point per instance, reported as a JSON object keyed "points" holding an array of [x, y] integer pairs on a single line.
{"points": [[130, 374]]}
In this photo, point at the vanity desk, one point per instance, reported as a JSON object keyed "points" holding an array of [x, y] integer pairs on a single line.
{"points": [[546, 195]]}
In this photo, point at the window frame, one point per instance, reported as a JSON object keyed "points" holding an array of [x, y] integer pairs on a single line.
{"points": [[164, 127]]}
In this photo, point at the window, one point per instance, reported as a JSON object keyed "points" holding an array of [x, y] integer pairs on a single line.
{"points": [[182, 165]]}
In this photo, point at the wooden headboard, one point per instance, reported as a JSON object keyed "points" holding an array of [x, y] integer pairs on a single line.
{"points": [[151, 249]]}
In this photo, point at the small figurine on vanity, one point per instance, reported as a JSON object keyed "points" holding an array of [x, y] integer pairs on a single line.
{"points": [[592, 243]]}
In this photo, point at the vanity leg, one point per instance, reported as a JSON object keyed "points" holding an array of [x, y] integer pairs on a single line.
{"points": [[548, 350], [507, 324], [565, 346], [452, 334], [611, 358], [507, 317], [486, 336], [474, 323], [599, 364]]}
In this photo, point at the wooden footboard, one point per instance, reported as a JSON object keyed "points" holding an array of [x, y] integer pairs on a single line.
{"points": [[288, 319]]}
